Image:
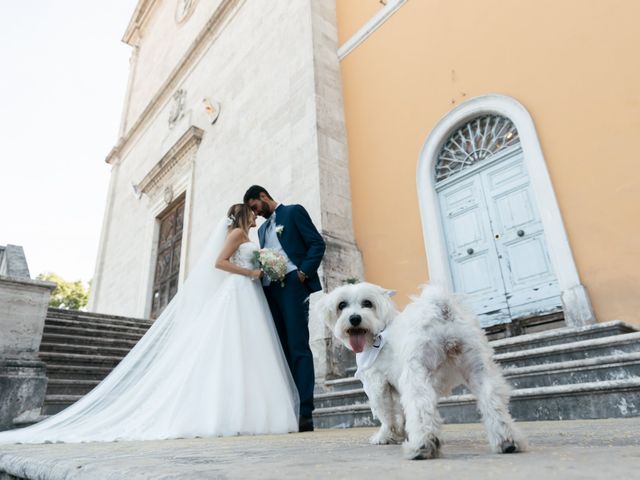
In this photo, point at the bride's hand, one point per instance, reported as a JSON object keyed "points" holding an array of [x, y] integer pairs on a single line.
{"points": [[256, 274]]}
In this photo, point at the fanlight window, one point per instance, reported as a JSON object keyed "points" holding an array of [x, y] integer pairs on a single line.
{"points": [[475, 142]]}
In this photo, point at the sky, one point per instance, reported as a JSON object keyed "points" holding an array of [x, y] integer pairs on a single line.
{"points": [[63, 76]]}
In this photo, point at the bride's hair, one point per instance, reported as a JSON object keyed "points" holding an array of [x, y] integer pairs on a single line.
{"points": [[240, 216]]}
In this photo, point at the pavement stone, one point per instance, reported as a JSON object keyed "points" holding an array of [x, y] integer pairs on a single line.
{"points": [[578, 449]]}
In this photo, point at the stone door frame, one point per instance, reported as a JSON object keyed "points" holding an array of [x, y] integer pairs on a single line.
{"points": [[575, 300]]}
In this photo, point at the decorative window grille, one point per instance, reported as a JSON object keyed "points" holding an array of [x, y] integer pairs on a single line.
{"points": [[165, 284], [474, 142]]}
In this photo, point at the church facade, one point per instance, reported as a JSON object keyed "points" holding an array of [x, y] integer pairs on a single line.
{"points": [[482, 147], [222, 95]]}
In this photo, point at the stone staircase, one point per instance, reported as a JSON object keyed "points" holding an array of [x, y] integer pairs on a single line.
{"points": [[80, 349], [561, 374]]}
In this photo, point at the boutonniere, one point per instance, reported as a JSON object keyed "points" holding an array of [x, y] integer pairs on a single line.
{"points": [[279, 229]]}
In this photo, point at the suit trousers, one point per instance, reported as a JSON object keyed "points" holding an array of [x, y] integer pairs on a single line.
{"points": [[290, 309]]}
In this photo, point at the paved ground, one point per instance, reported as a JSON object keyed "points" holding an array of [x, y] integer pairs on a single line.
{"points": [[564, 450]]}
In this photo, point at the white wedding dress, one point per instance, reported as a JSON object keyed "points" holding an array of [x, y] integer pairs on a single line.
{"points": [[210, 365]]}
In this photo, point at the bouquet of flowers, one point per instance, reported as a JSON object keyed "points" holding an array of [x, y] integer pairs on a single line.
{"points": [[272, 263]]}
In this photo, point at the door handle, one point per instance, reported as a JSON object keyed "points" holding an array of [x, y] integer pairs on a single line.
{"points": [[470, 251], [520, 233]]}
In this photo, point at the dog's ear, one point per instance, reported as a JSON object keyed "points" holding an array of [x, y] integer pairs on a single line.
{"points": [[386, 292], [320, 308], [386, 308]]}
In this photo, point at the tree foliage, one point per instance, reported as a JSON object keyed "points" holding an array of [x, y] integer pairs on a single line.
{"points": [[68, 295]]}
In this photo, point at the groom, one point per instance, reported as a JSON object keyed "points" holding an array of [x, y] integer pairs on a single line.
{"points": [[289, 230]]}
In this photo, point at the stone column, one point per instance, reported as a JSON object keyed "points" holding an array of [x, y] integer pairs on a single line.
{"points": [[23, 380], [342, 259]]}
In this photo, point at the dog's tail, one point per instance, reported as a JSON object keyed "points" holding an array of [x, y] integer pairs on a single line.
{"points": [[447, 302]]}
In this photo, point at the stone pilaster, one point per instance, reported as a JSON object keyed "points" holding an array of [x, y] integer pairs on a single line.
{"points": [[342, 260]]}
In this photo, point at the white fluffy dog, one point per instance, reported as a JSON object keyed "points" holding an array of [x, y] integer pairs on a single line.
{"points": [[407, 361]]}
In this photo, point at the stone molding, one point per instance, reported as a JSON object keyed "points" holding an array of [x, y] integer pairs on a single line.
{"points": [[214, 27], [371, 26], [182, 149], [138, 20]]}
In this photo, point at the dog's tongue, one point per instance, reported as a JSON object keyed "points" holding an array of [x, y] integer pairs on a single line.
{"points": [[357, 341]]}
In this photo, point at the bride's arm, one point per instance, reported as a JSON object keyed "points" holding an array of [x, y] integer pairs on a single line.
{"points": [[231, 244]]}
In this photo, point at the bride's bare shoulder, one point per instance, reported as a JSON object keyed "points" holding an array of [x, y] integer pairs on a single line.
{"points": [[236, 235]]}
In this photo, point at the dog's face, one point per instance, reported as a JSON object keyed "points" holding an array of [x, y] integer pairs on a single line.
{"points": [[356, 313]]}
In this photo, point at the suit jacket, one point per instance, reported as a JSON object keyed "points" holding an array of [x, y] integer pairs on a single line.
{"points": [[300, 240]]}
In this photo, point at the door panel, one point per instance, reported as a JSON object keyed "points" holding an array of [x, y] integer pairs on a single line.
{"points": [[529, 260], [472, 255], [529, 279]]}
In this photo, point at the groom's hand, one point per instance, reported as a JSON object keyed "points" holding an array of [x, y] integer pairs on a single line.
{"points": [[302, 276]]}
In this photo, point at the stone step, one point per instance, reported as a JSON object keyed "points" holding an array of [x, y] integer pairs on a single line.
{"points": [[582, 371], [588, 370], [82, 331], [601, 369], [560, 335], [620, 398], [83, 348], [564, 352], [525, 325], [606, 346], [97, 317], [98, 341], [101, 326], [557, 336], [57, 371], [58, 386], [341, 384], [80, 360]]}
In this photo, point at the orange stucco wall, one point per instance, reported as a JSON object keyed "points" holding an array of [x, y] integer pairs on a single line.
{"points": [[573, 64]]}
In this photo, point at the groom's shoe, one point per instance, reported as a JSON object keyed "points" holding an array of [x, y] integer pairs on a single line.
{"points": [[305, 424]]}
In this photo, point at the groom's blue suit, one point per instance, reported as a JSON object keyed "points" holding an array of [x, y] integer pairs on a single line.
{"points": [[289, 304]]}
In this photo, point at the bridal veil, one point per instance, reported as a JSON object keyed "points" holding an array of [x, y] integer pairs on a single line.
{"points": [[158, 383]]}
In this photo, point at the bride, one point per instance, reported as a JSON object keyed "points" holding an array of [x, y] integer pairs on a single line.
{"points": [[210, 365]]}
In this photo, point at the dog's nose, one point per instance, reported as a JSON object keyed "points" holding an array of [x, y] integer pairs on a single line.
{"points": [[355, 319]]}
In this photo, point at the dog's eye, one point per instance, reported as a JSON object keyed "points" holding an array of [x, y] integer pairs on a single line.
{"points": [[367, 304], [342, 305]]}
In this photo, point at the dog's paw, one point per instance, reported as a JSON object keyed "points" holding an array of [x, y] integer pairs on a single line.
{"points": [[384, 438], [510, 446], [379, 439], [429, 449]]}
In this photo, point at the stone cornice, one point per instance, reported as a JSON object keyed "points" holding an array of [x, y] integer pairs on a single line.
{"points": [[20, 282], [213, 27], [190, 139], [138, 19]]}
